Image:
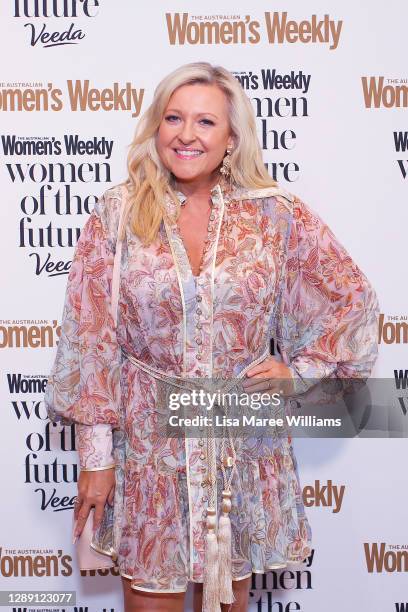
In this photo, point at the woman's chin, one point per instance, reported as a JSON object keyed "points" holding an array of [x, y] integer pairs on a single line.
{"points": [[183, 175]]}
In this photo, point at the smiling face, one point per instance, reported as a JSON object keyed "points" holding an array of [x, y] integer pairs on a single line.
{"points": [[194, 134]]}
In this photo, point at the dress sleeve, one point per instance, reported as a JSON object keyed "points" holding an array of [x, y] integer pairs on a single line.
{"points": [[328, 316], [95, 446], [84, 384]]}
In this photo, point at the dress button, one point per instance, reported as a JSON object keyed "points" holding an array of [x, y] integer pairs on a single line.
{"points": [[212, 217], [204, 499], [199, 311], [198, 326], [199, 298], [198, 340], [202, 456], [201, 443]]}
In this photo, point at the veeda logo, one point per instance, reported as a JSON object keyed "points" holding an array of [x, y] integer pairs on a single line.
{"points": [[55, 8]]}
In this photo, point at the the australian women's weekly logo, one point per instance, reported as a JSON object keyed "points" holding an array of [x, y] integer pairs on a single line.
{"points": [[279, 98], [50, 174], [380, 92], [272, 28], [42, 33]]}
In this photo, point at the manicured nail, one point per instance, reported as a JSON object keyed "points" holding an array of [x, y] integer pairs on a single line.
{"points": [[74, 532]]}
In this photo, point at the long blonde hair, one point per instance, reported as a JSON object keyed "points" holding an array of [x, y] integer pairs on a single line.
{"points": [[149, 180]]}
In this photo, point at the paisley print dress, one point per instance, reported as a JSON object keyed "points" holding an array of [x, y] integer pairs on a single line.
{"points": [[271, 269]]}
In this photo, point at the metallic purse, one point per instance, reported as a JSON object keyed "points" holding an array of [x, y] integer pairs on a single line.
{"points": [[87, 557]]}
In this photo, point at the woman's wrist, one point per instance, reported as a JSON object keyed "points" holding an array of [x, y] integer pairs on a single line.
{"points": [[96, 469]]}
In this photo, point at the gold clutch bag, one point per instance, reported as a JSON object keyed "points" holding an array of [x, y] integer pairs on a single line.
{"points": [[87, 557]]}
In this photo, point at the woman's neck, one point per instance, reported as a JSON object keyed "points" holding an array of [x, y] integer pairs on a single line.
{"points": [[198, 189]]}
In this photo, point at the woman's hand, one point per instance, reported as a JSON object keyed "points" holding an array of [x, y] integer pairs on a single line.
{"points": [[95, 488], [271, 376]]}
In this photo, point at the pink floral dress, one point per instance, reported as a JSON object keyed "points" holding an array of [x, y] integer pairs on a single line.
{"points": [[271, 269]]}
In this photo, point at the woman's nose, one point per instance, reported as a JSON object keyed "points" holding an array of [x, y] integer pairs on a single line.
{"points": [[186, 133]]}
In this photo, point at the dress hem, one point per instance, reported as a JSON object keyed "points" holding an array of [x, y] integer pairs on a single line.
{"points": [[137, 588], [234, 579]]}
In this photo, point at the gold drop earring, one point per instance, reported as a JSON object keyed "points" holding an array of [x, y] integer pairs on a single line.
{"points": [[226, 164]]}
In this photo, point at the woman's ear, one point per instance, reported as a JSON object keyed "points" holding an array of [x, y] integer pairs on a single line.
{"points": [[231, 144]]}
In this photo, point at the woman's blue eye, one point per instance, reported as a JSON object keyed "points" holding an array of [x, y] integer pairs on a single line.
{"points": [[172, 118]]}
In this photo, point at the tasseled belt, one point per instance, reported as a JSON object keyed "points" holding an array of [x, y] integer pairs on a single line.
{"points": [[217, 587]]}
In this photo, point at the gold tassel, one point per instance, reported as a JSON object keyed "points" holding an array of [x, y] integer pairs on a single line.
{"points": [[211, 599], [224, 549]]}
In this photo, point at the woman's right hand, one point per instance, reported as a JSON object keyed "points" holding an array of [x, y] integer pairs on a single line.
{"points": [[95, 488]]}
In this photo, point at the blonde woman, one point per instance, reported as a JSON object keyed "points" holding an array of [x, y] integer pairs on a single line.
{"points": [[186, 271]]}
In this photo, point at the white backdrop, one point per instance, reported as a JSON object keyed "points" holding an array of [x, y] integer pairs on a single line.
{"points": [[346, 156]]}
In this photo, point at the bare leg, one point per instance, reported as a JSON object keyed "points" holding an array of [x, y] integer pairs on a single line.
{"points": [[141, 601], [241, 593]]}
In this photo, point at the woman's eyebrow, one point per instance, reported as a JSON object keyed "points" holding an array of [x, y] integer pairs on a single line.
{"points": [[176, 110]]}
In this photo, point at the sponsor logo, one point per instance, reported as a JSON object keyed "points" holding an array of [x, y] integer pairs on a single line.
{"points": [[272, 79], [23, 563], [266, 588], [41, 464], [379, 92], [401, 383], [401, 146], [271, 102], [50, 204], [393, 560], [393, 329], [20, 383], [29, 334], [41, 36], [183, 29], [13, 145], [327, 496], [80, 94]]}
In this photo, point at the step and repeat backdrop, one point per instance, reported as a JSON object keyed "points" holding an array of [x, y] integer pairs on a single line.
{"points": [[329, 86]]}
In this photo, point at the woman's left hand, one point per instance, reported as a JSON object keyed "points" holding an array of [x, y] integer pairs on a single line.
{"points": [[271, 376]]}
